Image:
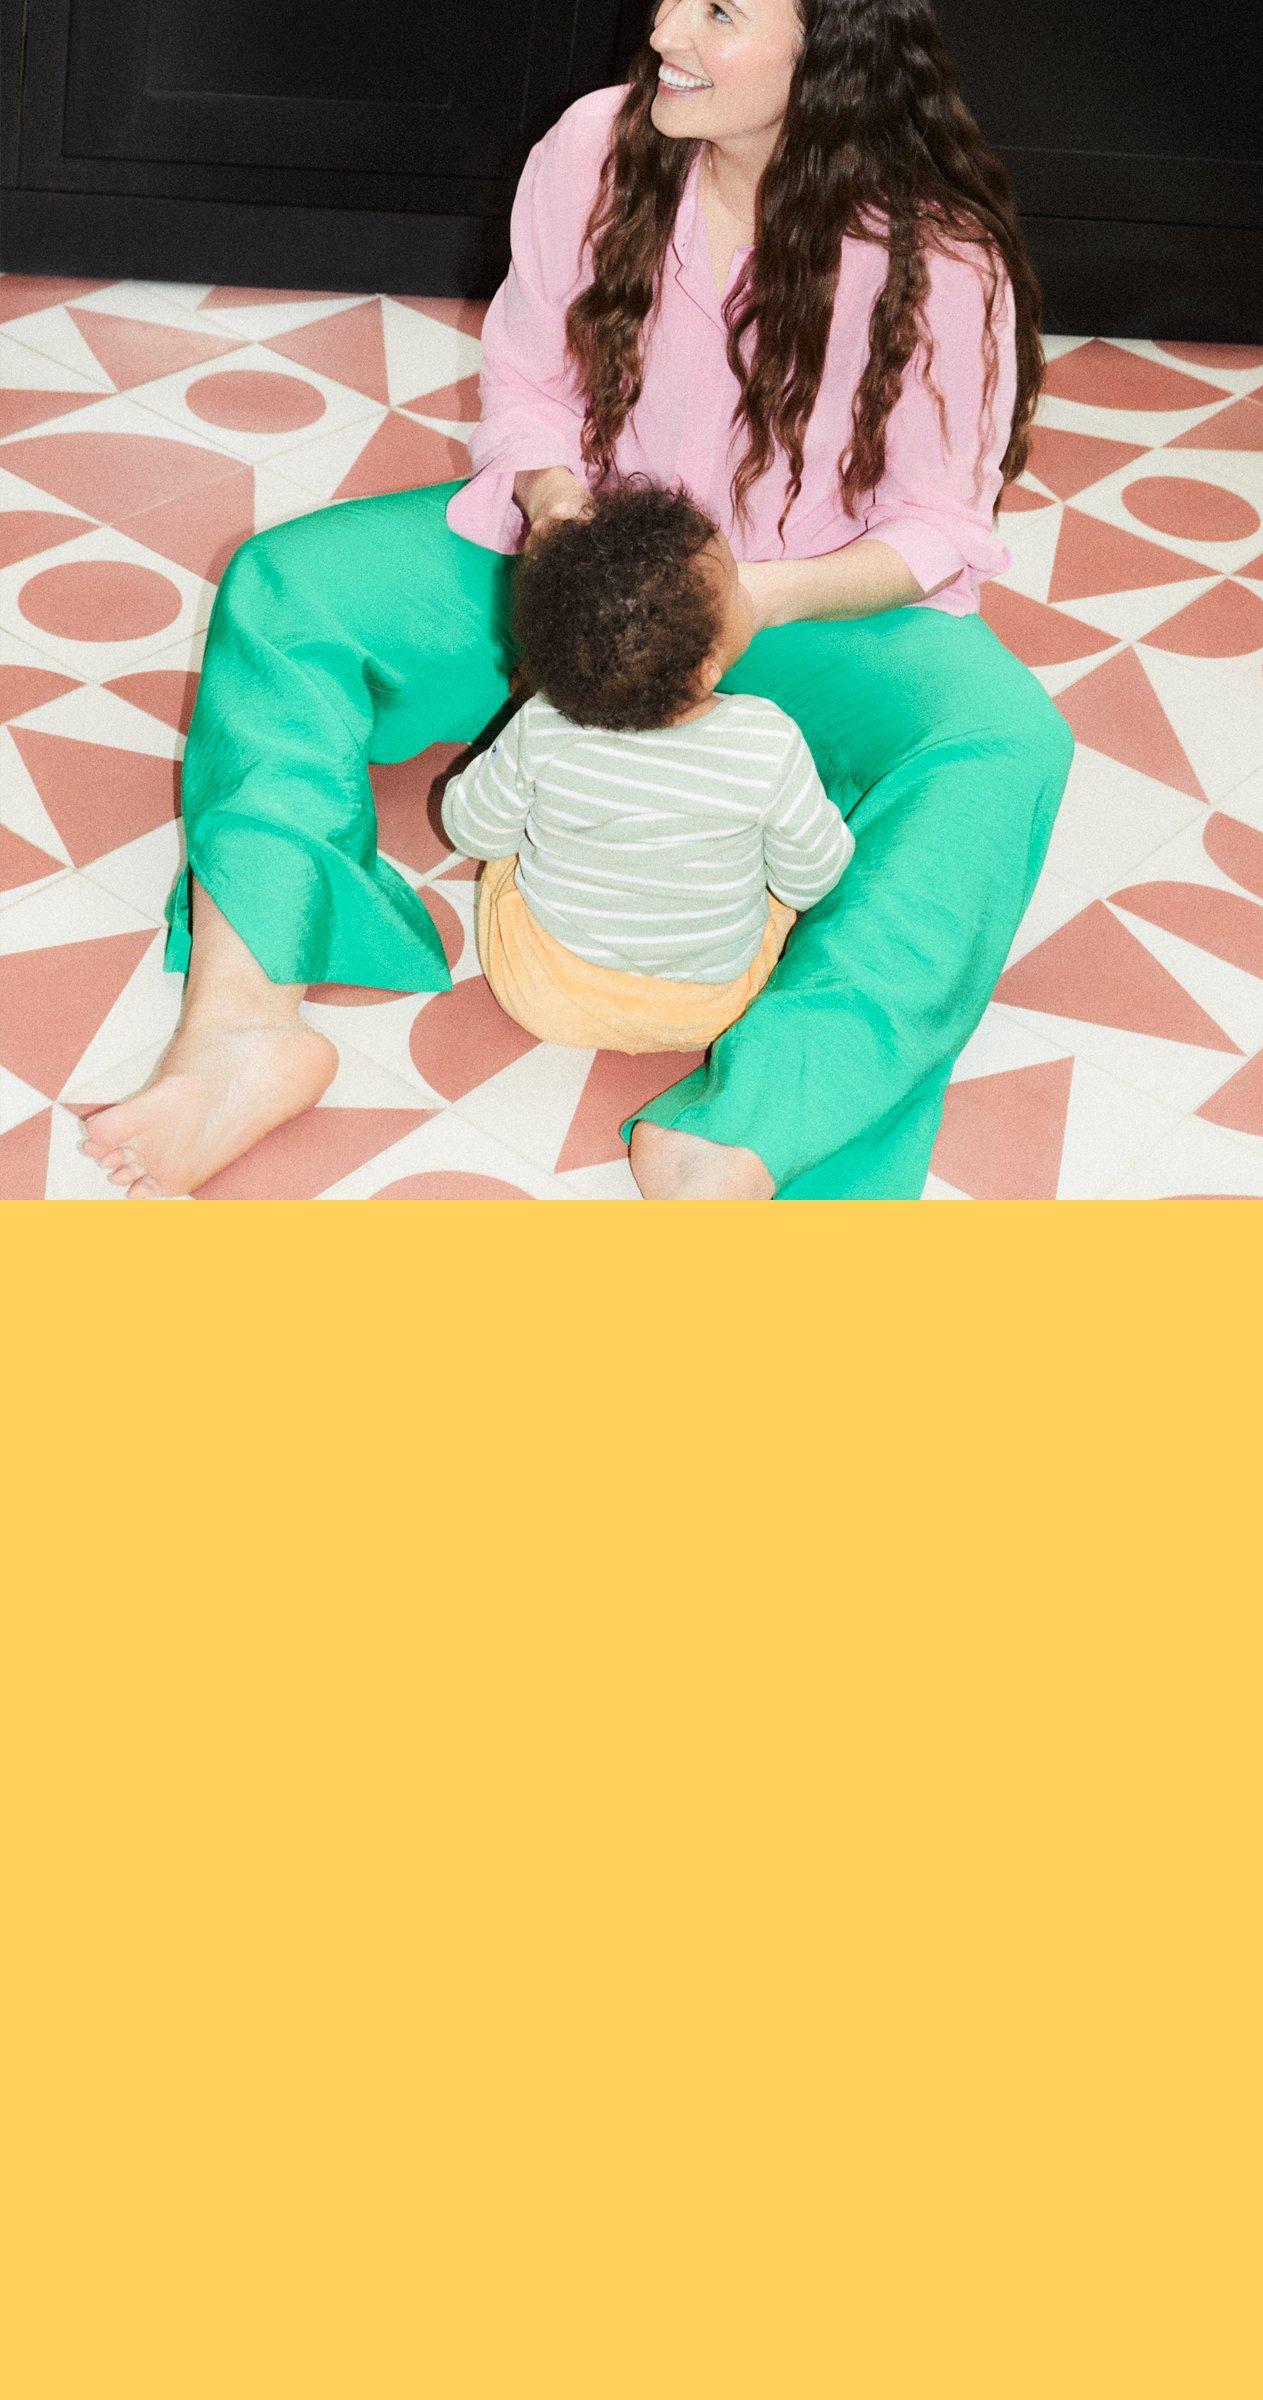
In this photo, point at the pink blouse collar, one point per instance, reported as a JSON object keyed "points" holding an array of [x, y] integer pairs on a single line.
{"points": [[688, 240]]}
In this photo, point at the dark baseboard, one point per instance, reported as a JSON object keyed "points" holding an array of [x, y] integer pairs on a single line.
{"points": [[213, 241], [1174, 282]]}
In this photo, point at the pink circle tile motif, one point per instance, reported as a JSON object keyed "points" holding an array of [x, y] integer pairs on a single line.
{"points": [[450, 1186], [1190, 509], [100, 600], [247, 401]]}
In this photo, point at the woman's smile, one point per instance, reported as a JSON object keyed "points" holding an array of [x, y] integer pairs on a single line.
{"points": [[673, 79]]}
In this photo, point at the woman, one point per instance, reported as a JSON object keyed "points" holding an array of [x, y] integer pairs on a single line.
{"points": [[796, 243]]}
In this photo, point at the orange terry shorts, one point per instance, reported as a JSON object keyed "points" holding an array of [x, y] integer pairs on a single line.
{"points": [[561, 997]]}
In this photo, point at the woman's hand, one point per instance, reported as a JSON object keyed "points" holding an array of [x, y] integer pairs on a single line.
{"points": [[546, 497]]}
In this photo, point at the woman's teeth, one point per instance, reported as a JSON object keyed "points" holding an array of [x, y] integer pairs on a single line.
{"points": [[675, 82]]}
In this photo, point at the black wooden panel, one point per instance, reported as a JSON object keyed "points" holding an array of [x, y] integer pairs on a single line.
{"points": [[440, 100], [1152, 115]]}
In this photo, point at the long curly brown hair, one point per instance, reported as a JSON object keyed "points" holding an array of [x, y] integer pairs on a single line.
{"points": [[876, 142]]}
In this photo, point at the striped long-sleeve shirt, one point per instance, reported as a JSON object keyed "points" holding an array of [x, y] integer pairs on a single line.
{"points": [[654, 852]]}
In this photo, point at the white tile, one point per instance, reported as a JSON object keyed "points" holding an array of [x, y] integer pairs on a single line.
{"points": [[1109, 1128], [190, 599], [142, 872], [1129, 616], [1111, 818], [1175, 1072], [448, 1144], [1053, 903], [166, 399], [90, 713], [28, 367], [613, 1181], [380, 1030], [423, 354], [1230, 996], [21, 808], [530, 1104], [322, 463], [1196, 1158], [18, 1101], [1216, 708], [144, 1017], [73, 910]]}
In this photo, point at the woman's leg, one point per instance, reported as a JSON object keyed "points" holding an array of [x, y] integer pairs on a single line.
{"points": [[949, 760], [361, 632]]}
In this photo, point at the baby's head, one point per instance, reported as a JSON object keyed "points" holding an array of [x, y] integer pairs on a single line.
{"points": [[626, 617]]}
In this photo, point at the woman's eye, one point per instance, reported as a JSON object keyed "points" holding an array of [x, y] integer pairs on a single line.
{"points": [[716, 11]]}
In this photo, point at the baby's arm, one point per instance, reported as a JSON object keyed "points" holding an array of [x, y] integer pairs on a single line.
{"points": [[485, 807], [806, 840]]}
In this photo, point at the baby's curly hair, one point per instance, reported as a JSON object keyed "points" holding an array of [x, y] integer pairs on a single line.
{"points": [[611, 616]]}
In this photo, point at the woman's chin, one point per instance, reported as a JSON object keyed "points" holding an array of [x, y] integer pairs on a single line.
{"points": [[672, 115]]}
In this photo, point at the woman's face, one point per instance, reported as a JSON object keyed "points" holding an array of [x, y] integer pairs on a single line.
{"points": [[744, 55]]}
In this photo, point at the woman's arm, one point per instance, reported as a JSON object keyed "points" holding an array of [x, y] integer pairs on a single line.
{"points": [[532, 409], [931, 518], [857, 581]]}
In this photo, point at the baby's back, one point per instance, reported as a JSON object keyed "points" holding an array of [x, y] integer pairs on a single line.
{"points": [[653, 851]]}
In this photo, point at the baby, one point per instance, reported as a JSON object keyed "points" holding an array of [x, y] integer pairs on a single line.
{"points": [[650, 841]]}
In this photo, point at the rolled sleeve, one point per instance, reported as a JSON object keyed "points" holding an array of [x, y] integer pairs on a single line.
{"points": [[935, 502], [532, 404]]}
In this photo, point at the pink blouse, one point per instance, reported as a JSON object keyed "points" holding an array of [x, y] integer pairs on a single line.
{"points": [[926, 506]]}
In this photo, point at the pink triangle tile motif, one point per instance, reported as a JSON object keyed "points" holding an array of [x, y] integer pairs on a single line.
{"points": [[1225, 622], [24, 295], [1001, 1136], [25, 688], [53, 1001], [1115, 709], [168, 693], [401, 454], [1094, 558], [348, 348], [132, 351], [24, 1158], [199, 529], [1094, 969], [98, 797]]}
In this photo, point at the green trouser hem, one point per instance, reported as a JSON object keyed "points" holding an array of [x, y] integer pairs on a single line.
{"points": [[367, 927]]}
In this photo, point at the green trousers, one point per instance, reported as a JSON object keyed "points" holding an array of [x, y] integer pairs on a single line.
{"points": [[368, 630]]}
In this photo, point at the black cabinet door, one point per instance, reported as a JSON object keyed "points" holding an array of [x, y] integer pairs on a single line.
{"points": [[372, 145], [383, 103], [1145, 115]]}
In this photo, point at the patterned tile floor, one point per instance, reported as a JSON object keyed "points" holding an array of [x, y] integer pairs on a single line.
{"points": [[146, 429]]}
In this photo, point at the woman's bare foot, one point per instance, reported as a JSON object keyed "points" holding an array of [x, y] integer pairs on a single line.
{"points": [[669, 1165], [216, 1090]]}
